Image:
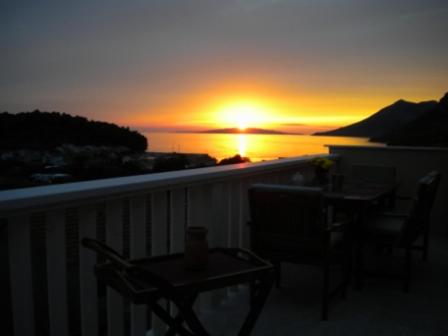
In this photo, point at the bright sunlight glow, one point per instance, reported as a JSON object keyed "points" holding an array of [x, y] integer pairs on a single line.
{"points": [[242, 115]]}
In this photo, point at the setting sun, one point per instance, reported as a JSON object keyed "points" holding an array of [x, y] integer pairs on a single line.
{"points": [[242, 115]]}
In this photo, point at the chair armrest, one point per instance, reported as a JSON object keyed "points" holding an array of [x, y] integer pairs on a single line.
{"points": [[122, 265], [106, 252]]}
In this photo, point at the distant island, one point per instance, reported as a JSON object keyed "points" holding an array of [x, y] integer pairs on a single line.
{"points": [[403, 124], [245, 131]]}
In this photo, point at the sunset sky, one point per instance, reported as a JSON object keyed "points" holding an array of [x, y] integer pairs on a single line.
{"points": [[293, 65]]}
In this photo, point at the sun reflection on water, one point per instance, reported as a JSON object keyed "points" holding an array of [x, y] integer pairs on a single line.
{"points": [[242, 144], [257, 147]]}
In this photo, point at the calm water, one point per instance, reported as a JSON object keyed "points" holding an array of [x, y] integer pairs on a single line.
{"points": [[256, 146]]}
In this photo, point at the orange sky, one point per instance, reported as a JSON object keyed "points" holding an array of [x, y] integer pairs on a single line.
{"points": [[291, 65], [297, 111]]}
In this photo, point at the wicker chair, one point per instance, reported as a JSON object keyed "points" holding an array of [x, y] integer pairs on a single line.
{"points": [[289, 224], [401, 231]]}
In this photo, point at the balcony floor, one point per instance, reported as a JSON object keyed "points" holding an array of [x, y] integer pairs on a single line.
{"points": [[381, 308]]}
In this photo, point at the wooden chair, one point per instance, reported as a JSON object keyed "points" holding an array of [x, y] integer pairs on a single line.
{"points": [[435, 176], [289, 224], [401, 231]]}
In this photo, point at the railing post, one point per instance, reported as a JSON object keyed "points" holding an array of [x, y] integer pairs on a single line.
{"points": [[244, 238], [159, 242], [200, 206], [137, 250], [200, 214], [114, 238], [19, 229], [178, 220], [221, 215], [219, 232], [87, 280], [56, 272], [235, 214]]}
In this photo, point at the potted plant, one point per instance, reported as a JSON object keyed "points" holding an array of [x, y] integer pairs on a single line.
{"points": [[321, 166]]}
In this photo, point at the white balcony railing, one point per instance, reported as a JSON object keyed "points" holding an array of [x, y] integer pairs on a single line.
{"points": [[51, 284], [49, 278]]}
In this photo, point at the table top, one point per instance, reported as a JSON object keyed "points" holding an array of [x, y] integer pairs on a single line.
{"points": [[221, 263], [362, 191], [226, 267]]}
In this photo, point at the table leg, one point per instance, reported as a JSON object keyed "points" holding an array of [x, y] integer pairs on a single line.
{"points": [[358, 242], [174, 324], [359, 266], [259, 294], [185, 314], [192, 320], [178, 320]]}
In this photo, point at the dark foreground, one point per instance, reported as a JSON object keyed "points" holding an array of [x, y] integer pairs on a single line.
{"points": [[381, 308]]}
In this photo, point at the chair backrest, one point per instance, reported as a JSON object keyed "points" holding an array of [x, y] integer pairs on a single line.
{"points": [[435, 178], [285, 217], [373, 174], [426, 194], [420, 211]]}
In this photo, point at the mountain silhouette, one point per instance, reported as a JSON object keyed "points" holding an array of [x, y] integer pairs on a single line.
{"points": [[386, 121], [429, 129]]}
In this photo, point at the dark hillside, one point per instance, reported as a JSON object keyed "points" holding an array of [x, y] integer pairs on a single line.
{"points": [[430, 129], [47, 130], [385, 121]]}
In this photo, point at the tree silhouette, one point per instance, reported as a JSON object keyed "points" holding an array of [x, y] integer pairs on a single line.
{"points": [[48, 130], [234, 159]]}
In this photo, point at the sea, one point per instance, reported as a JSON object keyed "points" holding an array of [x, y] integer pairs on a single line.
{"points": [[258, 147]]}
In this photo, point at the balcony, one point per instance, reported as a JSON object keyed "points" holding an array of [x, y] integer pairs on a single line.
{"points": [[51, 289]]}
